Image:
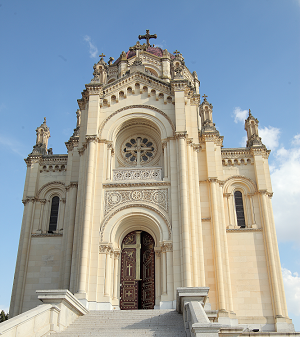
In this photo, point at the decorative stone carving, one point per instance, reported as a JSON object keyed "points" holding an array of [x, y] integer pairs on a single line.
{"points": [[104, 249], [42, 136], [167, 247], [137, 174], [158, 197]]}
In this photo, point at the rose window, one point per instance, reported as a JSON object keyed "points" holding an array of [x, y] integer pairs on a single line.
{"points": [[138, 150]]}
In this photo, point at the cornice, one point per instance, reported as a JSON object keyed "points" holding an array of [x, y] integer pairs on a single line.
{"points": [[261, 150], [137, 184], [236, 153], [48, 235], [211, 136], [235, 230]]}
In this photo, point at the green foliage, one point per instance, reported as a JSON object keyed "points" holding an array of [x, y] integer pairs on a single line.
{"points": [[3, 316]]}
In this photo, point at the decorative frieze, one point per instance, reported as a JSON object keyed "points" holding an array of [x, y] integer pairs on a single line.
{"points": [[137, 174], [136, 184], [158, 197], [233, 230]]}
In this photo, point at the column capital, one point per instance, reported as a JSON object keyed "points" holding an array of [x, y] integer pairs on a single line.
{"points": [[181, 135]]}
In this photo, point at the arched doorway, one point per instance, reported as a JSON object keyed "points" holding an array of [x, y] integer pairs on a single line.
{"points": [[137, 290]]}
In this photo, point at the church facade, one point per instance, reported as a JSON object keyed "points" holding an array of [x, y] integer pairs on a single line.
{"points": [[147, 200]]}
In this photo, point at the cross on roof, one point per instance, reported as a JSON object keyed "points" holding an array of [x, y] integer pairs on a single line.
{"points": [[176, 52], [204, 97], [102, 55], [147, 37]]}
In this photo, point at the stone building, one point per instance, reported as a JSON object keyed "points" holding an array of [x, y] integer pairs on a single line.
{"points": [[147, 200]]}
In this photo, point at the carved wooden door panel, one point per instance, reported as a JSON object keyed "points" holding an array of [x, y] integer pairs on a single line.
{"points": [[137, 289], [147, 271], [129, 284]]}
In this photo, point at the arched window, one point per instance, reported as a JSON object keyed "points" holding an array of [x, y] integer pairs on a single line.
{"points": [[54, 214], [239, 209]]}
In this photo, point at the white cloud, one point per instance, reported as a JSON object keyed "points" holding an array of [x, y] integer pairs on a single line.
{"points": [[296, 139], [292, 291], [286, 186], [93, 49], [269, 136], [239, 115], [13, 145]]}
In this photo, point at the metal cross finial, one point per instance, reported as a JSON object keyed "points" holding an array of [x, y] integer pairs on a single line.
{"points": [[204, 97], [147, 37], [176, 52], [102, 55]]}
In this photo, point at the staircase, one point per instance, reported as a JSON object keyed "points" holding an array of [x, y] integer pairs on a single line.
{"points": [[159, 323]]}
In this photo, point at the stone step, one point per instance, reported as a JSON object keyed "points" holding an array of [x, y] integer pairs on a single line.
{"points": [[132, 323]]}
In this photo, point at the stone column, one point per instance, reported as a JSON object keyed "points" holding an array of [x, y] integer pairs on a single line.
{"points": [[165, 153], [157, 275], [24, 249], [87, 219], [116, 273], [107, 282], [190, 164], [164, 270], [199, 221], [184, 208], [227, 276], [69, 231], [109, 161], [217, 244], [273, 277]]}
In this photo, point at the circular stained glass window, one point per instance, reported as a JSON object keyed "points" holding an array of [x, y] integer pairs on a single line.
{"points": [[139, 150]]}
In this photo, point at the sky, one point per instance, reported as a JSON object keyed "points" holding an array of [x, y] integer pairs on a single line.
{"points": [[246, 54]]}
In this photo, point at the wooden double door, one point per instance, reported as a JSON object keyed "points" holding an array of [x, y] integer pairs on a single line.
{"points": [[137, 272]]}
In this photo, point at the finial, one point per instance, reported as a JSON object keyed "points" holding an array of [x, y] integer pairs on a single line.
{"points": [[147, 37], [102, 55], [176, 52], [250, 115], [44, 120], [204, 98]]}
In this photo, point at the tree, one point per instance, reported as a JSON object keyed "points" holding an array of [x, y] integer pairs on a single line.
{"points": [[3, 316]]}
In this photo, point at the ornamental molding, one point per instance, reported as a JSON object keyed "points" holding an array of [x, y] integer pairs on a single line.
{"points": [[260, 151], [73, 142], [211, 137], [242, 181], [235, 230], [157, 197], [28, 199], [205, 219], [59, 183], [71, 185], [181, 135], [236, 153], [110, 215], [54, 159], [94, 89], [33, 159], [136, 184], [105, 249], [144, 79], [137, 174], [48, 235], [166, 246], [137, 106]]}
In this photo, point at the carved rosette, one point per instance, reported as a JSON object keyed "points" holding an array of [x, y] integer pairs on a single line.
{"points": [[158, 197]]}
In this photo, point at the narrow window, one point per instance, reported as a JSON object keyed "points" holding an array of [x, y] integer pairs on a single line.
{"points": [[53, 214], [239, 209]]}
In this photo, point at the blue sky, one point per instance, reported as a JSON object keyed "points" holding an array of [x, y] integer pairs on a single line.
{"points": [[246, 54]]}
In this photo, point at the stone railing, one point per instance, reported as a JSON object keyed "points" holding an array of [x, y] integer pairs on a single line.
{"points": [[137, 174], [190, 302], [59, 310]]}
